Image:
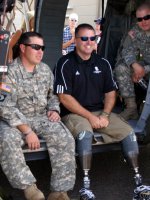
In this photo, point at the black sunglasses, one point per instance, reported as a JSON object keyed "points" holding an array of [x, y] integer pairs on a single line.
{"points": [[36, 46], [84, 38], [147, 17]]}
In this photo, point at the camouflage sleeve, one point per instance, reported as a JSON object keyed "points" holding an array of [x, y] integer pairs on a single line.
{"points": [[128, 51], [8, 109], [147, 69], [53, 101]]}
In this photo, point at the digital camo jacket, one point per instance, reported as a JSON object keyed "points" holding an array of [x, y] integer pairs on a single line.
{"points": [[136, 48], [30, 95]]}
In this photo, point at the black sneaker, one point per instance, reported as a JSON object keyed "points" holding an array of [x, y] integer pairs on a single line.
{"points": [[86, 194], [142, 193]]}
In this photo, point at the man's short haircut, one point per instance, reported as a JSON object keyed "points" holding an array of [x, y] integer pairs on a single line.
{"points": [[143, 5], [83, 26], [25, 37]]}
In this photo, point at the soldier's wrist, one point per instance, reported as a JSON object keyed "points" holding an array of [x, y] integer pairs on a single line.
{"points": [[28, 132]]}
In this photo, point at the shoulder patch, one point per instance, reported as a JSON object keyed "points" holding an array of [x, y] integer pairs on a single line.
{"points": [[3, 97]]}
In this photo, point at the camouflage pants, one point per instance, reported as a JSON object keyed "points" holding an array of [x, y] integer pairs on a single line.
{"points": [[61, 148], [123, 75]]}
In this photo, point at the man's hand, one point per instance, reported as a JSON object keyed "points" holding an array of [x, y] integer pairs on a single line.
{"points": [[98, 121], [33, 141], [138, 73], [104, 121], [53, 116], [94, 121]]}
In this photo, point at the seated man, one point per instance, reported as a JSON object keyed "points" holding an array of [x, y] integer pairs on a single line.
{"points": [[28, 109], [86, 89], [133, 63]]}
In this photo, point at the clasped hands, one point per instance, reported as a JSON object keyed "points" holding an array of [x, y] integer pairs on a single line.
{"points": [[100, 121]]}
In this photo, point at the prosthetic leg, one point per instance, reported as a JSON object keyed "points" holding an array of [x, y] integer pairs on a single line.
{"points": [[84, 150], [131, 151]]}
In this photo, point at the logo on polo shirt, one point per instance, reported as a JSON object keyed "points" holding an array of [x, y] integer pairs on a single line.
{"points": [[96, 71], [77, 73]]}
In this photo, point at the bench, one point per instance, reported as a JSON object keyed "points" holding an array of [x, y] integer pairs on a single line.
{"points": [[139, 127], [42, 152], [97, 147]]}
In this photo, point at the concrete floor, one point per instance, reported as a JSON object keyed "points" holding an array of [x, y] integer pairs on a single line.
{"points": [[111, 177]]}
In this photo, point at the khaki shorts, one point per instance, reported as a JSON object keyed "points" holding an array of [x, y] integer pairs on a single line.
{"points": [[116, 131]]}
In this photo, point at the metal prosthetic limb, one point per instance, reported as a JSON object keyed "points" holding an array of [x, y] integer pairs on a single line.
{"points": [[84, 150], [131, 151]]}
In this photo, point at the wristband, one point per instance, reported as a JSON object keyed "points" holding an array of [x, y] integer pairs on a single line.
{"points": [[105, 114], [27, 132]]}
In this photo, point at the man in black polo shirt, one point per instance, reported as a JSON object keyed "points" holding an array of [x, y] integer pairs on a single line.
{"points": [[86, 89]]}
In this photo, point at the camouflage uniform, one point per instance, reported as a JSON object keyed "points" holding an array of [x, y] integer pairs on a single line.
{"points": [[135, 48], [30, 98]]}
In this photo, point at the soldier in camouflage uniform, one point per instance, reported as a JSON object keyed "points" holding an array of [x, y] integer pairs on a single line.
{"points": [[133, 63], [30, 109]]}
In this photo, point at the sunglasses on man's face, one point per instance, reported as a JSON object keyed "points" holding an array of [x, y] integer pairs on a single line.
{"points": [[84, 38], [140, 19], [36, 46]]}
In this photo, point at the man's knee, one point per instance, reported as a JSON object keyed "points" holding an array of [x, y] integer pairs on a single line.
{"points": [[130, 144], [84, 142]]}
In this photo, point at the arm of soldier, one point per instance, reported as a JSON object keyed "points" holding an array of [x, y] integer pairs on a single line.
{"points": [[130, 58], [129, 54], [138, 71], [52, 99], [75, 107], [9, 111], [128, 51], [30, 136], [53, 116], [109, 102]]}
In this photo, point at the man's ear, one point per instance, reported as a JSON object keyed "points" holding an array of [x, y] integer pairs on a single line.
{"points": [[22, 48]]}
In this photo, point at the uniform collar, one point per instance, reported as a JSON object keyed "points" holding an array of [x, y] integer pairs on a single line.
{"points": [[24, 73]]}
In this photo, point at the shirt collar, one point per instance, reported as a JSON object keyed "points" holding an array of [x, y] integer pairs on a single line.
{"points": [[81, 61]]}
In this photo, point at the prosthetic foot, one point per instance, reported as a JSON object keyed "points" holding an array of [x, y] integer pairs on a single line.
{"points": [[142, 193], [86, 194], [130, 148], [84, 150]]}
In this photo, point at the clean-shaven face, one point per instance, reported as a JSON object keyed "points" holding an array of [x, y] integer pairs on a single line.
{"points": [[85, 42], [143, 18]]}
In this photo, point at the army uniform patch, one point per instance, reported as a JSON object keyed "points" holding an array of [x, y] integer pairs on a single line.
{"points": [[5, 87], [4, 96]]}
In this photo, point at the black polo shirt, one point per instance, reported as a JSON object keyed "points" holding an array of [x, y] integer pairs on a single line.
{"points": [[87, 81]]}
